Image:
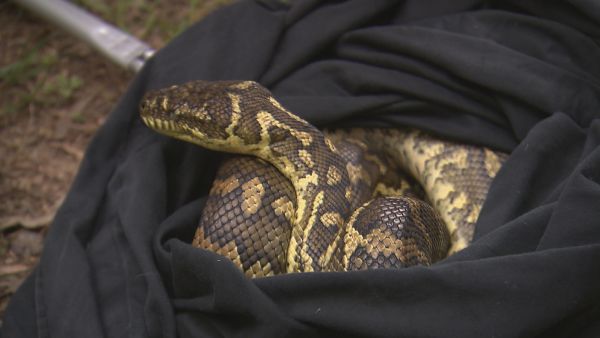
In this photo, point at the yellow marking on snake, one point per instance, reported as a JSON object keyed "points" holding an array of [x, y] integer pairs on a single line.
{"points": [[354, 172], [331, 218], [306, 158], [330, 145], [283, 163], [226, 186], [334, 176], [386, 190], [243, 85], [236, 113], [267, 119], [348, 194], [199, 113], [253, 192], [297, 232], [492, 162], [283, 206]]}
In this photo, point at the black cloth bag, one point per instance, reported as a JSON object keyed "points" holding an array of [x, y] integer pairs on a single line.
{"points": [[518, 76]]}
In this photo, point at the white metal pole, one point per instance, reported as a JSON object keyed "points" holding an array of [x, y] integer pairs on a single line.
{"points": [[122, 48]]}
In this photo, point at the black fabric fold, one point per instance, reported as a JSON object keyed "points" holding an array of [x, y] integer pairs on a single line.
{"points": [[513, 76]]}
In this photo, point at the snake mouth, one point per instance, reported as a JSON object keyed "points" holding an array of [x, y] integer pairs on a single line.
{"points": [[160, 124], [167, 127], [175, 130]]}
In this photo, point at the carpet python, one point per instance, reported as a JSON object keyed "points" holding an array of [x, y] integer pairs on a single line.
{"points": [[297, 199]]}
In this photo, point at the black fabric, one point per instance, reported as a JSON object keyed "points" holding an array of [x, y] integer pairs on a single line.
{"points": [[517, 76]]}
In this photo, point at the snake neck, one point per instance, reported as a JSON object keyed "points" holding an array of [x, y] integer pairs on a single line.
{"points": [[244, 118], [317, 172]]}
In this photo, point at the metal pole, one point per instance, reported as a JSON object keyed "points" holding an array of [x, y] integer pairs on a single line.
{"points": [[122, 48]]}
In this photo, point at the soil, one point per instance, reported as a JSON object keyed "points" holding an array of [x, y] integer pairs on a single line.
{"points": [[55, 92]]}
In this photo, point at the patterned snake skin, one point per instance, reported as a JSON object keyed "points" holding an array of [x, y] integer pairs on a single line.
{"points": [[300, 200]]}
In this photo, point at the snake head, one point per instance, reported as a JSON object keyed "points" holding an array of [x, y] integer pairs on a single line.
{"points": [[201, 112]]}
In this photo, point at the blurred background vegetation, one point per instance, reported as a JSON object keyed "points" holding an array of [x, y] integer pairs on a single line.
{"points": [[34, 62], [55, 91]]}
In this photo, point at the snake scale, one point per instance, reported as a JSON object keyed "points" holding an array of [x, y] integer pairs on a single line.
{"points": [[297, 199]]}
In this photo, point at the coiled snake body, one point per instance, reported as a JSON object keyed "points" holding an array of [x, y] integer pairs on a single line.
{"points": [[300, 200]]}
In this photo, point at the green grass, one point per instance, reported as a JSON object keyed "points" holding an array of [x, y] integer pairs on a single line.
{"points": [[36, 78], [130, 15], [31, 81], [60, 88], [33, 63]]}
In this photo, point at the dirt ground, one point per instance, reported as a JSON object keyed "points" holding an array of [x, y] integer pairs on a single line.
{"points": [[55, 91]]}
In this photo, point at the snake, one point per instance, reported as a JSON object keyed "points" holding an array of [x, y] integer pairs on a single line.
{"points": [[294, 198]]}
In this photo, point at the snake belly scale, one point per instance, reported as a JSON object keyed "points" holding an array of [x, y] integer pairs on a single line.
{"points": [[298, 200]]}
